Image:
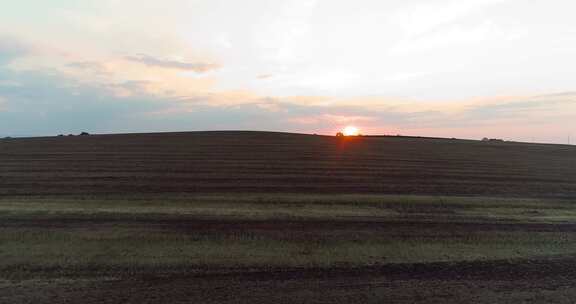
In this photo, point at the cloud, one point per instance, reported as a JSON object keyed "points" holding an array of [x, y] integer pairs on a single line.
{"points": [[198, 67], [522, 108], [511, 117], [450, 36], [421, 18], [129, 78], [332, 119], [8, 83], [264, 76], [47, 103], [51, 101], [11, 49], [561, 94], [93, 67]]}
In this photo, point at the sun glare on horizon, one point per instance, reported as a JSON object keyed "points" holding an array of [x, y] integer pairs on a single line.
{"points": [[351, 131]]}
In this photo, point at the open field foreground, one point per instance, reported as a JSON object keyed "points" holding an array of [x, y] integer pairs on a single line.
{"points": [[286, 248], [277, 218]]}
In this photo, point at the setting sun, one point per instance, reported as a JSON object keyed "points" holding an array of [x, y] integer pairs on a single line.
{"points": [[350, 131]]}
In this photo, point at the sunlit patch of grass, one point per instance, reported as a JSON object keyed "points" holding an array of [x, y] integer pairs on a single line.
{"points": [[121, 251], [260, 206], [123, 247]]}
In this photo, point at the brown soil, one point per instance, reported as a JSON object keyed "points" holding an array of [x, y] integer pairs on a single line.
{"points": [[522, 281], [224, 162]]}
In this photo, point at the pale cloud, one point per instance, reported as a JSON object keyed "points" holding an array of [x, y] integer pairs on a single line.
{"points": [[12, 48], [281, 36], [264, 76], [332, 119], [536, 109], [121, 76], [420, 17], [198, 67], [50, 101], [455, 35], [93, 67], [9, 83]]}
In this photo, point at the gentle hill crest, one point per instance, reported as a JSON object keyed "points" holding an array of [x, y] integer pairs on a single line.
{"points": [[250, 161]]}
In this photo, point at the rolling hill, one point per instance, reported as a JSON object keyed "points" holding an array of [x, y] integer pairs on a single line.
{"points": [[238, 161]]}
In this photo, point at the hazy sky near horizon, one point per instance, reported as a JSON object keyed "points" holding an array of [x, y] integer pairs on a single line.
{"points": [[453, 68]]}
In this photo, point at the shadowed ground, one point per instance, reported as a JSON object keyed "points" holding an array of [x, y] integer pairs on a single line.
{"points": [[216, 162], [495, 282], [251, 217]]}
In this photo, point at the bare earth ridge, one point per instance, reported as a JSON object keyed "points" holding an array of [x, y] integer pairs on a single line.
{"points": [[217, 162]]}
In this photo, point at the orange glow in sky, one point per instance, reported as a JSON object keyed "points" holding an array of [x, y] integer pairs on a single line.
{"points": [[350, 131]]}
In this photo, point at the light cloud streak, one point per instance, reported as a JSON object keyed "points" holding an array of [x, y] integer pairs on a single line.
{"points": [[198, 67]]}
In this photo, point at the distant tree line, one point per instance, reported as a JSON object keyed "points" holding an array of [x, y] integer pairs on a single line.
{"points": [[81, 134], [492, 139]]}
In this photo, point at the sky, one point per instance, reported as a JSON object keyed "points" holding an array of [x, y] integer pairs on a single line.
{"points": [[450, 68]]}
